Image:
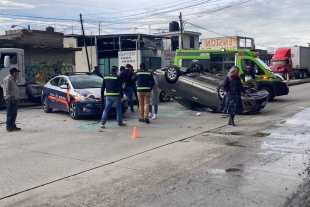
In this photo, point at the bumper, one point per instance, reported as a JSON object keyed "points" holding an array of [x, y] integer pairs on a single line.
{"points": [[252, 105], [280, 88], [97, 107]]}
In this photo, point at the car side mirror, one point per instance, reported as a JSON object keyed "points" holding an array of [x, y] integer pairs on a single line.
{"points": [[64, 87], [7, 61]]}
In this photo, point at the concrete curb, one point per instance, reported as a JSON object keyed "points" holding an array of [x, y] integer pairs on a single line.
{"points": [[299, 82]]}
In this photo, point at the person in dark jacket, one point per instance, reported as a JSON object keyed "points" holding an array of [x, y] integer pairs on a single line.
{"points": [[233, 90], [97, 71], [126, 77], [56, 73], [249, 72], [114, 95], [145, 84]]}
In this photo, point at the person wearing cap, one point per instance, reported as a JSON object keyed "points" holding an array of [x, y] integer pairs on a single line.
{"points": [[127, 84], [248, 74], [56, 73], [97, 72], [11, 95], [114, 95]]}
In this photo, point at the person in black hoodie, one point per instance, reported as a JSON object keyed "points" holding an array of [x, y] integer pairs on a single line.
{"points": [[145, 84], [233, 90], [114, 95], [127, 84]]}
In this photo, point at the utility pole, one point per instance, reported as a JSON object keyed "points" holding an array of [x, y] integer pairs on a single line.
{"points": [[85, 42], [99, 28], [181, 28]]}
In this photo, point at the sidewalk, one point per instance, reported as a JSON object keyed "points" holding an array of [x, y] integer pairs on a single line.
{"points": [[298, 81]]}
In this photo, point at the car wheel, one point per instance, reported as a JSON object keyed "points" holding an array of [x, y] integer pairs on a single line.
{"points": [[270, 91], [163, 97], [220, 92], [46, 107], [253, 84], [172, 74], [74, 112], [195, 66]]}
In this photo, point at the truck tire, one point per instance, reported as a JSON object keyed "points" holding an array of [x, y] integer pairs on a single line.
{"points": [[305, 74], [270, 91], [172, 74], [253, 84], [285, 74]]}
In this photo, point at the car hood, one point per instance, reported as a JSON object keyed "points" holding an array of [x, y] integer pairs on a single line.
{"points": [[256, 94], [94, 93]]}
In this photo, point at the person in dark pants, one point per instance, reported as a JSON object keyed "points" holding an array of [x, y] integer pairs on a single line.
{"points": [[114, 95], [233, 90], [97, 71], [126, 77], [145, 84], [11, 95]]}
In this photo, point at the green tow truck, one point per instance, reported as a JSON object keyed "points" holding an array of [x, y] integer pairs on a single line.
{"points": [[219, 62]]}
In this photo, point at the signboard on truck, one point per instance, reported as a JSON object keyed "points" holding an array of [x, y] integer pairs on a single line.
{"points": [[228, 43], [129, 57], [167, 58]]}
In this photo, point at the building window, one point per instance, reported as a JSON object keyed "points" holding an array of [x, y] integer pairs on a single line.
{"points": [[192, 42]]}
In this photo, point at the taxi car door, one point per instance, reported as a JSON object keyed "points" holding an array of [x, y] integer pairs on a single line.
{"points": [[63, 94], [52, 91]]}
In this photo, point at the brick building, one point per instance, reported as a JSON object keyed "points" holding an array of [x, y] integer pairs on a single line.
{"points": [[43, 51]]}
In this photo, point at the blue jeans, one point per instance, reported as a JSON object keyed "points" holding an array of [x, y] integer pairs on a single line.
{"points": [[11, 114], [155, 109], [109, 102], [129, 94]]}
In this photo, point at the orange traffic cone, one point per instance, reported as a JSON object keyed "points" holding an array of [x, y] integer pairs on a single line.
{"points": [[135, 133]]}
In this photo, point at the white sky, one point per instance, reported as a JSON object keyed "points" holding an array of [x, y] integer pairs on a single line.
{"points": [[275, 23]]}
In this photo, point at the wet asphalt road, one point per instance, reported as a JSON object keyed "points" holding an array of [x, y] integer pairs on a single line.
{"points": [[179, 160]]}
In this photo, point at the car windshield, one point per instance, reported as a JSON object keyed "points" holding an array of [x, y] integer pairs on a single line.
{"points": [[82, 82], [277, 63], [262, 63]]}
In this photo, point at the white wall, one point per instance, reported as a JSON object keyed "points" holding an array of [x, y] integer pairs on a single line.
{"points": [[70, 42], [81, 60]]}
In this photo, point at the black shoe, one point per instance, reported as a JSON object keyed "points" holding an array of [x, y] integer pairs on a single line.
{"points": [[16, 129], [147, 121], [233, 122], [229, 122], [141, 120]]}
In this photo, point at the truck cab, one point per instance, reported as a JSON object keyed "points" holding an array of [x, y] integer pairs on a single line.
{"points": [[14, 57], [281, 63], [219, 63]]}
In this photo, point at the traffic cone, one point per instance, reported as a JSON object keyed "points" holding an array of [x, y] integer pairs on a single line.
{"points": [[135, 133]]}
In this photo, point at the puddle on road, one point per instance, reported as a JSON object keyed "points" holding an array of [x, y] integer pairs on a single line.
{"points": [[234, 144], [258, 134], [233, 170]]}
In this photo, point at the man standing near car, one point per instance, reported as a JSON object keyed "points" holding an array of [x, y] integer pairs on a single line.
{"points": [[127, 84], [114, 95], [145, 84], [11, 95], [97, 71]]}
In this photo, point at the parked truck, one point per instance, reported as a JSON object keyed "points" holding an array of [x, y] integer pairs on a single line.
{"points": [[14, 57], [292, 61]]}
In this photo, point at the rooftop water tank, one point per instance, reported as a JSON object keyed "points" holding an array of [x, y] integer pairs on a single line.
{"points": [[50, 29], [174, 26]]}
